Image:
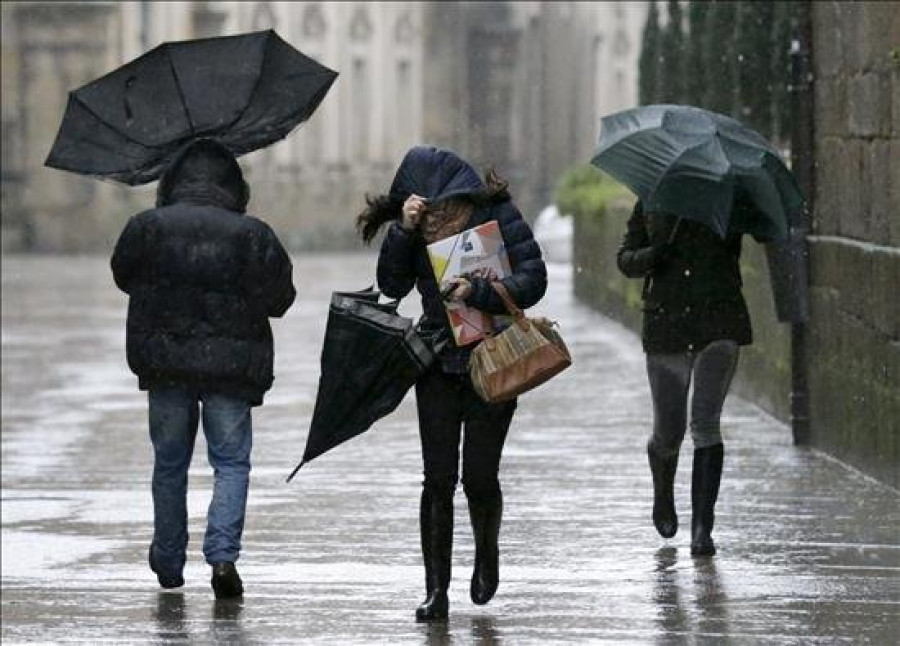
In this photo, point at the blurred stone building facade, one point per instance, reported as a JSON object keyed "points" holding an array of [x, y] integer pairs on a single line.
{"points": [[519, 86]]}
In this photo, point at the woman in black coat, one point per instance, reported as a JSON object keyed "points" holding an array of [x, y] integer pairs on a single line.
{"points": [[436, 194], [695, 320]]}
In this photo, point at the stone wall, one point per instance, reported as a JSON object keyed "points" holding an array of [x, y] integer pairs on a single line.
{"points": [[48, 48], [854, 333], [314, 210], [598, 282]]}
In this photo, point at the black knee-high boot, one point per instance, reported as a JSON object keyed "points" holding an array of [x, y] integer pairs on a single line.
{"points": [[436, 527], [485, 515], [663, 469], [704, 491]]}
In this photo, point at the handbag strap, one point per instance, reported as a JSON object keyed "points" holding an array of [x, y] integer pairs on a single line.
{"points": [[511, 307]]}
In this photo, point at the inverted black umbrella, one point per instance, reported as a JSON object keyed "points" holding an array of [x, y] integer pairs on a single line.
{"points": [[691, 162], [371, 357], [247, 91]]}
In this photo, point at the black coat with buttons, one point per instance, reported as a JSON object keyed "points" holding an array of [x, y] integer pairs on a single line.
{"points": [[692, 283]]}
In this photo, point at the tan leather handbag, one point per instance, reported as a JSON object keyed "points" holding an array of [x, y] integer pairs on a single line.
{"points": [[521, 357]]}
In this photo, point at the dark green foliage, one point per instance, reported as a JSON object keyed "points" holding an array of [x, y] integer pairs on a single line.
{"points": [[694, 74], [587, 191], [671, 79], [648, 65], [753, 58], [718, 56], [733, 58]]}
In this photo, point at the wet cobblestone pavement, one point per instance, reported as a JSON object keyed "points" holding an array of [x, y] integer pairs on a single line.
{"points": [[809, 551]]}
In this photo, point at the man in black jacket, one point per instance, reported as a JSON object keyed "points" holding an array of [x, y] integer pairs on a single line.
{"points": [[203, 279]]}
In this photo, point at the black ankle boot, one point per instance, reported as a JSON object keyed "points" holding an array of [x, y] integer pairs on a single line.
{"points": [[226, 582], [663, 469], [436, 527], [485, 516], [704, 492], [167, 581]]}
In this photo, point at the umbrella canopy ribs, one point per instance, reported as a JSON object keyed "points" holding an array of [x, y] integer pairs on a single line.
{"points": [[247, 91]]}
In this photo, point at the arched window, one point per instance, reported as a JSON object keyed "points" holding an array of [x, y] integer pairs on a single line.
{"points": [[621, 46], [404, 31], [311, 136], [404, 111], [360, 109], [313, 23], [360, 25], [264, 17]]}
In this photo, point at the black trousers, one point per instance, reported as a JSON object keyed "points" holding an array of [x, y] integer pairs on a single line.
{"points": [[448, 406]]}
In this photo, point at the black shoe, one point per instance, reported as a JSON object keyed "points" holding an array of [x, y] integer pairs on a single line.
{"points": [[663, 469], [436, 528], [485, 517], [167, 581], [704, 492], [226, 582]]}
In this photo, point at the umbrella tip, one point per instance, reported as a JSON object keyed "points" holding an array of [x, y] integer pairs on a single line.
{"points": [[294, 472]]}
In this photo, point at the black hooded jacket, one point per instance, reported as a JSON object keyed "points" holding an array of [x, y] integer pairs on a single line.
{"points": [[203, 280], [692, 283], [437, 175]]}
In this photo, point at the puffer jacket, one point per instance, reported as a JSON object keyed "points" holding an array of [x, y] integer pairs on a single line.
{"points": [[403, 262], [203, 279], [692, 283]]}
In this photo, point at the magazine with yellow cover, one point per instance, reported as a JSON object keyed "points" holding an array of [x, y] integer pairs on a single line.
{"points": [[476, 252]]}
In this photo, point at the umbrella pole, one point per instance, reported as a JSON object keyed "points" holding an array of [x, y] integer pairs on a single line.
{"points": [[294, 472]]}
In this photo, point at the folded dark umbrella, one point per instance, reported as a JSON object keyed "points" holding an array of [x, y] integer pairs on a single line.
{"points": [[371, 357], [691, 162], [247, 91]]}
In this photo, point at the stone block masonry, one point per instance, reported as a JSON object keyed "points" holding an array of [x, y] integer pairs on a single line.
{"points": [[854, 332]]}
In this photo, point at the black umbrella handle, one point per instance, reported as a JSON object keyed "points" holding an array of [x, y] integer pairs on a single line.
{"points": [[294, 472]]}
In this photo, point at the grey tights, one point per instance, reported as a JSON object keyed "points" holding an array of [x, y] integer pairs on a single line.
{"points": [[670, 379]]}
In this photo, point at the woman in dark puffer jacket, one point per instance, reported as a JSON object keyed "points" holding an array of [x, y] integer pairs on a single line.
{"points": [[436, 194]]}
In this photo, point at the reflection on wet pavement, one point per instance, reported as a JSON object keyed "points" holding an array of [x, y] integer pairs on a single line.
{"points": [[809, 550]]}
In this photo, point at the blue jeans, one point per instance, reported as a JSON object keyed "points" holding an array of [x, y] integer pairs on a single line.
{"points": [[174, 416]]}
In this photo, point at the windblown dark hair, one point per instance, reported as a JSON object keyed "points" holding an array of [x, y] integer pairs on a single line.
{"points": [[496, 190], [381, 209]]}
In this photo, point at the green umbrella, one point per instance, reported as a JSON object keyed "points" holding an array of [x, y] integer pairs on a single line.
{"points": [[693, 163]]}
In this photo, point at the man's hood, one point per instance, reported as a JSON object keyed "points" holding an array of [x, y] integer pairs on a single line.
{"points": [[434, 174], [204, 171]]}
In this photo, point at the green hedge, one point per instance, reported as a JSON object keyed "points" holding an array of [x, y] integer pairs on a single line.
{"points": [[586, 191]]}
